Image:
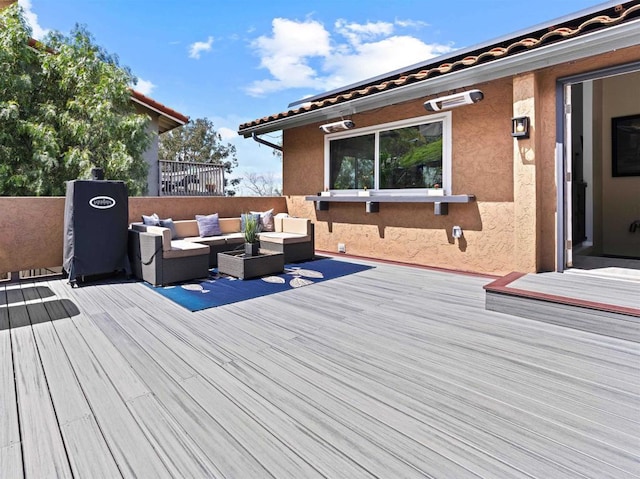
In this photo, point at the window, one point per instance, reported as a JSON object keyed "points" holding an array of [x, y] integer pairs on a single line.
{"points": [[409, 155]]}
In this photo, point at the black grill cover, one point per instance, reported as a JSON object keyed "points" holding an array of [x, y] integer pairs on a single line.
{"points": [[96, 215]]}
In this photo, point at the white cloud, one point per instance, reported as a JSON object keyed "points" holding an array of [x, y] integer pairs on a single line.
{"points": [[227, 133], [357, 33], [304, 54], [32, 20], [411, 23], [198, 47], [144, 86], [370, 59], [287, 53]]}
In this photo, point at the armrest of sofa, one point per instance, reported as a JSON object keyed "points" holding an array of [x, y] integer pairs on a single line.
{"points": [[164, 233], [145, 254], [301, 226]]}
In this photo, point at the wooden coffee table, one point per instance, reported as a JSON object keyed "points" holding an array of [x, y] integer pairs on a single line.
{"points": [[239, 265]]}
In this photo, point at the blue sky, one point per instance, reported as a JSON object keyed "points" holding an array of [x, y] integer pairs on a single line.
{"points": [[235, 61]]}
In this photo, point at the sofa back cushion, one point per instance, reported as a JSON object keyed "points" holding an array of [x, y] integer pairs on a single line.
{"points": [[229, 225], [186, 228], [295, 225]]}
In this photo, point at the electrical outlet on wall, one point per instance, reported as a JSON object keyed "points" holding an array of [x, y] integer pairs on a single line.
{"points": [[342, 248]]}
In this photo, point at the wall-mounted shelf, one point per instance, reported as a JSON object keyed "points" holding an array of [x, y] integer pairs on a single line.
{"points": [[372, 202]]}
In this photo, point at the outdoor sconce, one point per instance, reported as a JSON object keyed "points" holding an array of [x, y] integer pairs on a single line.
{"points": [[337, 126], [520, 127]]}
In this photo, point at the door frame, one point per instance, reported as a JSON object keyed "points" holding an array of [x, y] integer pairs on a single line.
{"points": [[563, 153]]}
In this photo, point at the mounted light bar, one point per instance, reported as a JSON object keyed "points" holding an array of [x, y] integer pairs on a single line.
{"points": [[337, 126], [453, 101]]}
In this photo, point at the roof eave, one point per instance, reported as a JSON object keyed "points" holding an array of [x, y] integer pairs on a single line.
{"points": [[587, 45]]}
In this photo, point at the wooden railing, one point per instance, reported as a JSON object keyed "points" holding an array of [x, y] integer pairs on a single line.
{"points": [[179, 178]]}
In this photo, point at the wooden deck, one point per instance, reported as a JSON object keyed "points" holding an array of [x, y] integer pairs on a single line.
{"points": [[394, 372]]}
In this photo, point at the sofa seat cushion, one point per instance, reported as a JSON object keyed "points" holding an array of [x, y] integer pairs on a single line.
{"points": [[234, 238], [284, 238], [208, 240], [181, 249]]}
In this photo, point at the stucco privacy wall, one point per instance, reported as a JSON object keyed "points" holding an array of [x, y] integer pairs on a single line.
{"points": [[32, 227], [499, 235]]}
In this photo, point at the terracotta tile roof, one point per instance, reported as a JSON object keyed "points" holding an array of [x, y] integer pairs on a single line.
{"points": [[150, 102], [571, 29]]}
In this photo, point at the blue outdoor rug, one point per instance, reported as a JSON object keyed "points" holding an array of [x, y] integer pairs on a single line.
{"points": [[218, 290]]}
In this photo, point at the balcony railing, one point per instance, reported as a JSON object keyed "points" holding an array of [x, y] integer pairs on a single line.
{"points": [[179, 178]]}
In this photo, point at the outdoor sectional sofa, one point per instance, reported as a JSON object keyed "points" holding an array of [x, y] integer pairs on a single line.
{"points": [[159, 259]]}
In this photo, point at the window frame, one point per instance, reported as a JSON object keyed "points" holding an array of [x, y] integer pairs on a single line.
{"points": [[444, 117]]}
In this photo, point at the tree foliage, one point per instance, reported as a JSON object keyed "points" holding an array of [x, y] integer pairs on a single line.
{"points": [[64, 109], [262, 184], [198, 142]]}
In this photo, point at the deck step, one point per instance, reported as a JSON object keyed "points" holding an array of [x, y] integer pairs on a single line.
{"points": [[598, 305]]}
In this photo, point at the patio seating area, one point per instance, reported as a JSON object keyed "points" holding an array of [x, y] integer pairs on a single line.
{"points": [[391, 372]]}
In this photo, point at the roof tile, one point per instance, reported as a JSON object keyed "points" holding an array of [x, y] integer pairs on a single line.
{"points": [[555, 33]]}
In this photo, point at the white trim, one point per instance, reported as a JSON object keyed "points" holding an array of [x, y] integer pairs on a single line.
{"points": [[587, 157], [588, 45], [447, 134]]}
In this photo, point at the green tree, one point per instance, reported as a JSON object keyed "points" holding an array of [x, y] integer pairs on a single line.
{"points": [[198, 142], [65, 107]]}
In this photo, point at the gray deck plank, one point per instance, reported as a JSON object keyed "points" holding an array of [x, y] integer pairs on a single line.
{"points": [[391, 372], [441, 328], [10, 447], [403, 442], [42, 444], [131, 449], [78, 425], [246, 415], [178, 451], [588, 288], [223, 450], [498, 410], [269, 417]]}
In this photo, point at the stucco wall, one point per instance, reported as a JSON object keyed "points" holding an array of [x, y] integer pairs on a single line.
{"points": [[621, 195], [151, 153], [482, 150], [511, 226], [32, 227]]}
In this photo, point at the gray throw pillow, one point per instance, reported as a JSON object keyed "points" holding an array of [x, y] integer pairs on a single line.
{"points": [[168, 223], [208, 225], [243, 218], [152, 220], [266, 220]]}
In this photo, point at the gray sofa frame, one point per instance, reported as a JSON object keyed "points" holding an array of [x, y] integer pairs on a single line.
{"points": [[147, 262]]}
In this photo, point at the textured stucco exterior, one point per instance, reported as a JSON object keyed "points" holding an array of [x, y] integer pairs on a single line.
{"points": [[32, 228], [513, 223], [151, 153]]}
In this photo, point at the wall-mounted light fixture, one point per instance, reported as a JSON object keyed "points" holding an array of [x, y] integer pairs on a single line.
{"points": [[452, 101], [520, 127], [337, 126], [456, 232]]}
